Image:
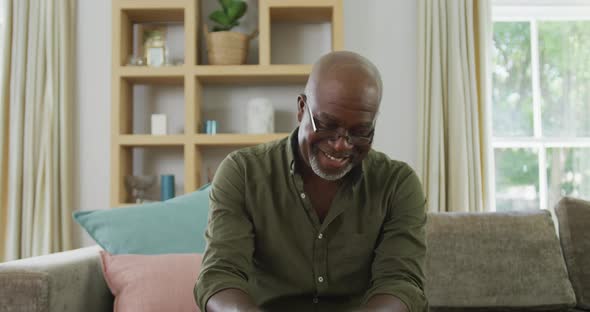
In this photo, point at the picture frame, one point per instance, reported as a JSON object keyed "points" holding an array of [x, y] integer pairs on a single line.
{"points": [[152, 43], [155, 56]]}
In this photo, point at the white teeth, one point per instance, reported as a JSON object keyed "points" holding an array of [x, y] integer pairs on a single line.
{"points": [[333, 158]]}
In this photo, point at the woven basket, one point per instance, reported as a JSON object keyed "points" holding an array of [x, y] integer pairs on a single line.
{"points": [[227, 47]]}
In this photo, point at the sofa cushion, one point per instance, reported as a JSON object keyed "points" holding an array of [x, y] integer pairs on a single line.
{"points": [[24, 291], [152, 282], [173, 226], [495, 261], [573, 216]]}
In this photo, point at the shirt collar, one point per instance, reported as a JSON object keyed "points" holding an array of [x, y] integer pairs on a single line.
{"points": [[292, 148]]}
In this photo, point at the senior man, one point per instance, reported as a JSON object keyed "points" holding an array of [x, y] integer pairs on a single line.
{"points": [[318, 221]]}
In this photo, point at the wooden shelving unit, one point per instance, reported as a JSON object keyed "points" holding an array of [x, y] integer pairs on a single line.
{"points": [[192, 76]]}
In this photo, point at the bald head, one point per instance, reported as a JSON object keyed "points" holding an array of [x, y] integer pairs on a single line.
{"points": [[343, 93], [345, 70]]}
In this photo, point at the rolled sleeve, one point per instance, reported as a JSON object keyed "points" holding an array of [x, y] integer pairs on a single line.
{"points": [[397, 268], [227, 261]]}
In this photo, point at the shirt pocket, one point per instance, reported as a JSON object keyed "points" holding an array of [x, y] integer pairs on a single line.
{"points": [[350, 256]]}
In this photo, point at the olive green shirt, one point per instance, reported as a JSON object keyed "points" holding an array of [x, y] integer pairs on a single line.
{"points": [[265, 238]]}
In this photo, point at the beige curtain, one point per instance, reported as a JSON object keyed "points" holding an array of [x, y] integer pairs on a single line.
{"points": [[453, 83], [37, 93]]}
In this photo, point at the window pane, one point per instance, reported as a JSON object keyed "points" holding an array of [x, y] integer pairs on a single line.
{"points": [[517, 179], [564, 56], [568, 173], [512, 94]]}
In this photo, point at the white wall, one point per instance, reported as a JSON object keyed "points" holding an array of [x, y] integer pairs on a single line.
{"points": [[382, 30], [93, 98], [385, 31]]}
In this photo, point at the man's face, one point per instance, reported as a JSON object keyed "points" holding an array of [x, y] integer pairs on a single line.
{"points": [[345, 108]]}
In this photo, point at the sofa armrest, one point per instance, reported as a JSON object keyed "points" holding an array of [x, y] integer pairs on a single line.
{"points": [[65, 281]]}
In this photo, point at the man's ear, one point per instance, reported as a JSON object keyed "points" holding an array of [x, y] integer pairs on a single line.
{"points": [[301, 100]]}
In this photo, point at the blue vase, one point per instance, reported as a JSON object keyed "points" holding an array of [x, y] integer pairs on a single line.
{"points": [[166, 187]]}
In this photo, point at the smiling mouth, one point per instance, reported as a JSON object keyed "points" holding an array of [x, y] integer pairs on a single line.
{"points": [[334, 158]]}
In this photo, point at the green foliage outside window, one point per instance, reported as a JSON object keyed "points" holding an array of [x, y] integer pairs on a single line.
{"points": [[564, 66]]}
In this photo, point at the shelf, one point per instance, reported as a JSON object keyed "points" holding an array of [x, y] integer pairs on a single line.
{"points": [[145, 74], [306, 11], [229, 74], [139, 140], [219, 74], [188, 154], [222, 139], [152, 4], [310, 4], [236, 139], [153, 10], [142, 16], [298, 12]]}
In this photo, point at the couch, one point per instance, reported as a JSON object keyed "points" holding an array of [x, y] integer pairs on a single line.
{"points": [[502, 261]]}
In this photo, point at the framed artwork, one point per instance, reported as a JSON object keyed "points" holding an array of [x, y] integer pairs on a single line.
{"points": [[155, 56], [152, 43]]}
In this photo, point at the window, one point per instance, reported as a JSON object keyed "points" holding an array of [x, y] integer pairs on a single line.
{"points": [[540, 105]]}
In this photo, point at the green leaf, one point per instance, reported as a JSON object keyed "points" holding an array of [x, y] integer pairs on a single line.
{"points": [[237, 10], [226, 4], [221, 18]]}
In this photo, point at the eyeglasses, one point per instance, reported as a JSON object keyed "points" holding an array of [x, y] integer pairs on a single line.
{"points": [[333, 133]]}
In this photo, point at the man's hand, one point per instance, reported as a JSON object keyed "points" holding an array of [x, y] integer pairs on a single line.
{"points": [[383, 303], [231, 300]]}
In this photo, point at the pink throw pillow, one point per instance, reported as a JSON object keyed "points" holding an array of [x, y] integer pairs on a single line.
{"points": [[152, 282]]}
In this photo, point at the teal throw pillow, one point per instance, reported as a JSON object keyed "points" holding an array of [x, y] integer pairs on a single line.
{"points": [[173, 226]]}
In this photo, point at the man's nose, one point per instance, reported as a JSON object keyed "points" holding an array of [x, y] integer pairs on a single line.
{"points": [[341, 143]]}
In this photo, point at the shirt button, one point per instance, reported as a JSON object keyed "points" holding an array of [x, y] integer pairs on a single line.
{"points": [[320, 236], [302, 195], [320, 279], [315, 300]]}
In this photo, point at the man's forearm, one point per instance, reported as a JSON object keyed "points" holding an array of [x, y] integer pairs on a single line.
{"points": [[384, 303], [231, 300]]}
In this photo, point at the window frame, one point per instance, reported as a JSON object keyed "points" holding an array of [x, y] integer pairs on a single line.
{"points": [[532, 12]]}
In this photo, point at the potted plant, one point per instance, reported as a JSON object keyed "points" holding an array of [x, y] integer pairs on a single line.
{"points": [[225, 47]]}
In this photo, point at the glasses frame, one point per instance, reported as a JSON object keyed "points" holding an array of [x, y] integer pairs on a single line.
{"points": [[334, 134]]}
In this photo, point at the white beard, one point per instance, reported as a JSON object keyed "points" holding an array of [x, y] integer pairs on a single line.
{"points": [[315, 166]]}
